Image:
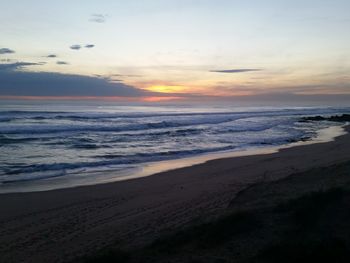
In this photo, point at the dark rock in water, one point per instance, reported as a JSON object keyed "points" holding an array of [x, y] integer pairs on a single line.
{"points": [[314, 118], [336, 118], [303, 139]]}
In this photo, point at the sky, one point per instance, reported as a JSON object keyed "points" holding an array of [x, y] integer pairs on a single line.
{"points": [[184, 50]]}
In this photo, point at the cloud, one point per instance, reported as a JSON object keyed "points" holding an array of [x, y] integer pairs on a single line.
{"points": [[25, 83], [239, 70], [62, 63], [277, 99], [98, 18], [285, 92], [335, 87], [78, 47], [6, 60], [17, 65], [6, 51], [51, 56], [125, 75], [75, 47]]}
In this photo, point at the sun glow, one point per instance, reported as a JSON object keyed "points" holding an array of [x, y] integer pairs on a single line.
{"points": [[166, 88]]}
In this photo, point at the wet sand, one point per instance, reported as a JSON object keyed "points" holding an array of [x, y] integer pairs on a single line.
{"points": [[60, 225], [151, 168]]}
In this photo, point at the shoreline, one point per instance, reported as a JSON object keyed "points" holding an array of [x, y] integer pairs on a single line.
{"points": [[148, 169], [65, 224]]}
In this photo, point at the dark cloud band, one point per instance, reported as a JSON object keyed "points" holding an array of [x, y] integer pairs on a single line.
{"points": [[75, 47], [14, 82], [62, 63], [17, 65], [240, 70], [98, 18], [6, 51]]}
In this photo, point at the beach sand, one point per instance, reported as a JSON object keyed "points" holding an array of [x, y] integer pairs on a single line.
{"points": [[61, 225]]}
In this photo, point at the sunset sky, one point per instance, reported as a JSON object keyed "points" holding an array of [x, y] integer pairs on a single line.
{"points": [[152, 50]]}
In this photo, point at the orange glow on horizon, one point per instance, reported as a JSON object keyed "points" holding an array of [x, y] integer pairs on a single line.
{"points": [[69, 98], [115, 98], [158, 99]]}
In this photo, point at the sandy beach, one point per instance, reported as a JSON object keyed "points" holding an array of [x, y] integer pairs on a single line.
{"points": [[63, 225], [175, 131]]}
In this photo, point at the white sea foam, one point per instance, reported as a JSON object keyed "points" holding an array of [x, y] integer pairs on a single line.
{"points": [[67, 143]]}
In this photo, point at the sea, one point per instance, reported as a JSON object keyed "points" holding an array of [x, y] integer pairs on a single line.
{"points": [[41, 143]]}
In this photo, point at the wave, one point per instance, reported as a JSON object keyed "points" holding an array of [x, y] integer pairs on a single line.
{"points": [[110, 161], [30, 172], [61, 115], [146, 132], [46, 129], [142, 123], [149, 127], [44, 144], [7, 140]]}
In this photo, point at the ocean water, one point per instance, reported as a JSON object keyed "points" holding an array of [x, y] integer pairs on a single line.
{"points": [[42, 142]]}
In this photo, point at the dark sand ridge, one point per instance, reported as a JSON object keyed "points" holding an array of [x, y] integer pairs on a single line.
{"points": [[59, 225]]}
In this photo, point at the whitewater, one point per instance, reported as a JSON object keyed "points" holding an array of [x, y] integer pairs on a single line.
{"points": [[45, 142]]}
